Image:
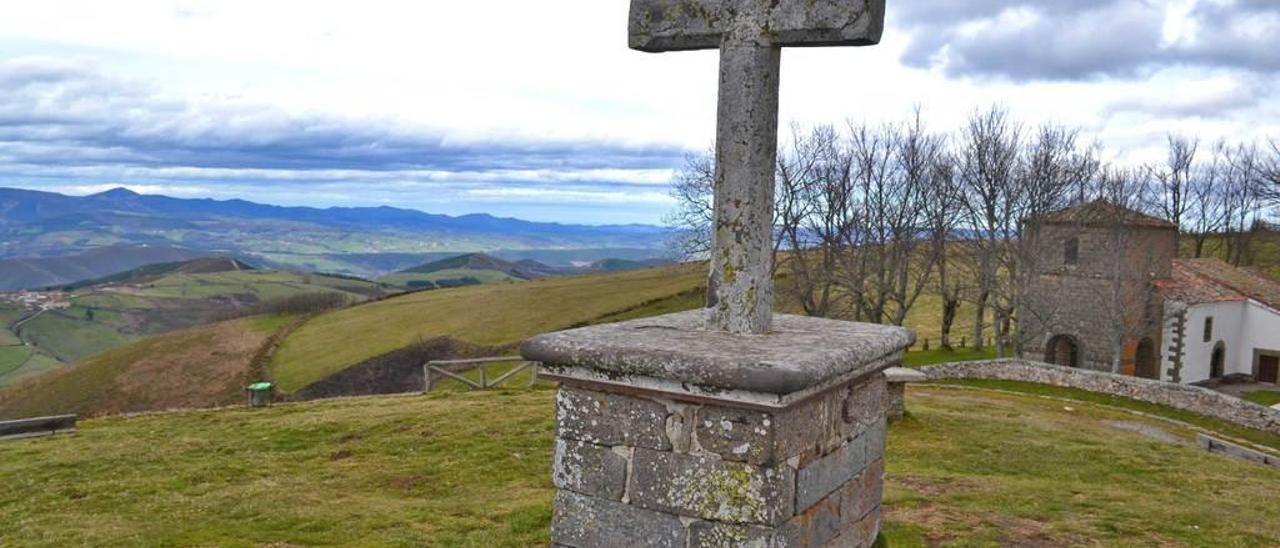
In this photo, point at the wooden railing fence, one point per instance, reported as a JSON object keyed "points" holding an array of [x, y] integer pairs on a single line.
{"points": [[436, 370]]}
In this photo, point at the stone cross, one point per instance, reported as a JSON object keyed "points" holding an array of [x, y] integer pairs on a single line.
{"points": [[750, 35]]}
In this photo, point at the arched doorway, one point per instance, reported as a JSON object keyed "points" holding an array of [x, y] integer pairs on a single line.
{"points": [[1145, 364], [1218, 361], [1063, 350]]}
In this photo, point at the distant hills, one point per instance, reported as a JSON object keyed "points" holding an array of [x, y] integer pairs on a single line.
{"points": [[155, 271], [33, 272], [48, 238], [477, 268]]}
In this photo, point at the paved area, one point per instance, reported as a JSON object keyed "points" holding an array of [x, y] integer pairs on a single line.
{"points": [[1241, 389]]}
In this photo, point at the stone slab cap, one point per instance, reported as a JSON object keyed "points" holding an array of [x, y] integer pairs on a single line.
{"points": [[904, 375], [681, 25], [800, 353]]}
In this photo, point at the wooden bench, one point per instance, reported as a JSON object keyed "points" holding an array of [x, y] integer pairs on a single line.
{"points": [[39, 426]]}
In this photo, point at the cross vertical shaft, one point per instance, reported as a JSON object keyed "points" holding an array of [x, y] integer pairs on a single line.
{"points": [[750, 35], [740, 287]]}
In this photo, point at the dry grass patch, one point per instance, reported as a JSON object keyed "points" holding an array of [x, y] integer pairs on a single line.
{"points": [[200, 367]]}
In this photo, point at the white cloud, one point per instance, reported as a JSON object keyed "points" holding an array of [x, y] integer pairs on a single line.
{"points": [[249, 74]]}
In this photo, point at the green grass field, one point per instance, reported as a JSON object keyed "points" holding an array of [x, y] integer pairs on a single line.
{"points": [[72, 338], [403, 279], [1208, 423], [7, 317], [13, 357], [488, 315], [473, 469], [263, 285], [28, 365], [1264, 397]]}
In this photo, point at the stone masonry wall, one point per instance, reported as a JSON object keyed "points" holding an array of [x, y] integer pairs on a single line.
{"points": [[1187, 398], [634, 470], [1075, 299]]}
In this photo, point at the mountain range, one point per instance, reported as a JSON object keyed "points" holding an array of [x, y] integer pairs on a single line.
{"points": [[48, 238]]}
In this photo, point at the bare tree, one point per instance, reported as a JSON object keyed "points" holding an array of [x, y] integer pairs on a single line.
{"points": [[988, 163], [812, 214], [1243, 200], [1174, 177], [1269, 174], [690, 222], [1206, 208], [919, 160]]}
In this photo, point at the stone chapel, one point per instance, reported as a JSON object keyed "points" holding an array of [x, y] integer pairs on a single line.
{"points": [[1100, 277]]}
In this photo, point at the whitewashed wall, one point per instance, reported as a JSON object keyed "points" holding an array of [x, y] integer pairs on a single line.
{"points": [[1262, 328], [1228, 323]]}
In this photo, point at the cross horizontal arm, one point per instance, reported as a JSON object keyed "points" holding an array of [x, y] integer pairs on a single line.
{"points": [[680, 25]]}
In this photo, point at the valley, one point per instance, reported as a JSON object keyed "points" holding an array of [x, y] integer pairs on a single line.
{"points": [[49, 239], [43, 330]]}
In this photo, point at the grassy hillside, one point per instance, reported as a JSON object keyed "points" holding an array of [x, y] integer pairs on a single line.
{"points": [[472, 469], [69, 337], [490, 315], [151, 272], [199, 367], [470, 269], [416, 279], [153, 300], [507, 313]]}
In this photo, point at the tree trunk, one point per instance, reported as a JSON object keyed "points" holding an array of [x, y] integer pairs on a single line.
{"points": [[980, 318]]}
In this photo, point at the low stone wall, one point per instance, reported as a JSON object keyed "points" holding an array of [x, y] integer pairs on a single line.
{"points": [[1187, 398]]}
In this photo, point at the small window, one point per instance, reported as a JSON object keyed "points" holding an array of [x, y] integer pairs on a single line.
{"points": [[1071, 253], [1208, 329]]}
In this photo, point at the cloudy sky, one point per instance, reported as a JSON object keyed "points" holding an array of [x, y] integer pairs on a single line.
{"points": [[536, 109]]}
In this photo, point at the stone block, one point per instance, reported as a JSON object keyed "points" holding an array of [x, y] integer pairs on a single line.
{"points": [[610, 419], [863, 494], [800, 355], [824, 423], [897, 408], [824, 520], [826, 475], [875, 440], [866, 403], [739, 435], [862, 535], [707, 487], [589, 469], [588, 522], [714, 534]]}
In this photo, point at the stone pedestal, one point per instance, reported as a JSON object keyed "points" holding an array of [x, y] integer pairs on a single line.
{"points": [[671, 435], [898, 379]]}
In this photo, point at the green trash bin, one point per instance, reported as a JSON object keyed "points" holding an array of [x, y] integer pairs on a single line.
{"points": [[259, 394]]}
